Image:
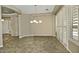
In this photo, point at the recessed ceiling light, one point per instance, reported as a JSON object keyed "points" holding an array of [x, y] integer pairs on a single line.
{"points": [[35, 5], [46, 9]]}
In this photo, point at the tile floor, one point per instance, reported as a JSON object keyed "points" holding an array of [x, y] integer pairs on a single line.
{"points": [[36, 44]]}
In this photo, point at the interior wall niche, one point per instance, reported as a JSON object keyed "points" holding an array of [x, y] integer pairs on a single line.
{"points": [[10, 24], [6, 25]]}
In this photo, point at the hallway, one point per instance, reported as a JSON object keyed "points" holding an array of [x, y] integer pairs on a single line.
{"points": [[36, 44]]}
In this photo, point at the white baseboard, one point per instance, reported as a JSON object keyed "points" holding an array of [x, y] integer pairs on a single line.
{"points": [[69, 50], [20, 36], [14, 34]]}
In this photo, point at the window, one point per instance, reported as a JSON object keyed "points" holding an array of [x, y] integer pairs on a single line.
{"points": [[75, 24]]}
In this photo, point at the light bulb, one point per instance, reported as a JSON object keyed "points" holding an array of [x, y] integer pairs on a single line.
{"points": [[40, 21], [34, 21], [31, 21], [2, 19]]}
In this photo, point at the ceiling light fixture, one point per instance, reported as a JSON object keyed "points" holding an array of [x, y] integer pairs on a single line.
{"points": [[35, 21], [31, 21], [2, 20], [40, 21], [35, 17]]}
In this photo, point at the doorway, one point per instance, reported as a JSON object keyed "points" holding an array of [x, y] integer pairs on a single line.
{"points": [[10, 28]]}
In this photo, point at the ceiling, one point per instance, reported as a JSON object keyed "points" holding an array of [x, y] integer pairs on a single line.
{"points": [[7, 10], [32, 9]]}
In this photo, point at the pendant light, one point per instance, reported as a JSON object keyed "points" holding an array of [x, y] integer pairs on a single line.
{"points": [[2, 20], [35, 19]]}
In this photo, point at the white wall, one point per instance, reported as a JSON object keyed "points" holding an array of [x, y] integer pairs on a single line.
{"points": [[24, 27], [14, 25], [63, 25], [46, 28], [10, 24], [5, 25], [1, 40]]}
